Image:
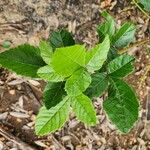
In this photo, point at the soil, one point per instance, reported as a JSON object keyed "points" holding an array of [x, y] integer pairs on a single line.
{"points": [[20, 98]]}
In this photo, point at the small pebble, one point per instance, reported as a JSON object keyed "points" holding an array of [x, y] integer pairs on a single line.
{"points": [[12, 92], [3, 116]]}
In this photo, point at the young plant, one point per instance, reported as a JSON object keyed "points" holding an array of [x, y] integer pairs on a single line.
{"points": [[75, 75]]}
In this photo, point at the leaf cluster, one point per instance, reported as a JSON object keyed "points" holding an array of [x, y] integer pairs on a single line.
{"points": [[76, 75]]}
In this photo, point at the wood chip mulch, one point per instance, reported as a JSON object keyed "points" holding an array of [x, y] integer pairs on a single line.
{"points": [[20, 98]]}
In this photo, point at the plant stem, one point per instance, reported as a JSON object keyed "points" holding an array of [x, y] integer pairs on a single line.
{"points": [[139, 43], [134, 1]]}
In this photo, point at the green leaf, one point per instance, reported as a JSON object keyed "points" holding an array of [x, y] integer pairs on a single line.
{"points": [[124, 36], [108, 27], [146, 4], [6, 44], [77, 83], [53, 94], [98, 86], [121, 66], [84, 109], [67, 60], [48, 73], [97, 56], [24, 60], [61, 38], [49, 121], [112, 54], [122, 105], [46, 51]]}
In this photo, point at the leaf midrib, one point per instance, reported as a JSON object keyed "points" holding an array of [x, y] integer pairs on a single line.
{"points": [[120, 68], [73, 59], [53, 116], [99, 82], [119, 97], [121, 35], [87, 112], [23, 63]]}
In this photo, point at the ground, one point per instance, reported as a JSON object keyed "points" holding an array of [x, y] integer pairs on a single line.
{"points": [[20, 98]]}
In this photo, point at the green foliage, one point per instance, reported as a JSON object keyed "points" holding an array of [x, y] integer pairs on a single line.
{"points": [[146, 4], [52, 119], [98, 86], [84, 109], [124, 35], [75, 75], [97, 56], [77, 83], [61, 38], [46, 51], [24, 60], [122, 105], [121, 66], [53, 94], [67, 60], [112, 54], [108, 27], [6, 44], [47, 73], [119, 37]]}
